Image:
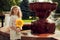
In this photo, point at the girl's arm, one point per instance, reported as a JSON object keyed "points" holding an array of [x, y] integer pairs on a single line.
{"points": [[12, 23], [13, 28]]}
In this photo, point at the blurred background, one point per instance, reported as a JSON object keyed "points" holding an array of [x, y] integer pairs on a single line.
{"points": [[5, 6], [28, 15]]}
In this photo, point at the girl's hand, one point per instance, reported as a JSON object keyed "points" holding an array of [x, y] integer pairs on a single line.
{"points": [[18, 30]]}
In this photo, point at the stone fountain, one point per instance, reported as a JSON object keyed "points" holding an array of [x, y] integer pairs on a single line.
{"points": [[42, 10]]}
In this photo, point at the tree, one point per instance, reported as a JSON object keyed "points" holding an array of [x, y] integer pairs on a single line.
{"points": [[25, 9], [14, 2], [58, 8], [4, 5]]}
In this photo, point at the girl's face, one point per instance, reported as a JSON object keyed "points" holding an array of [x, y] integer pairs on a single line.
{"points": [[15, 10]]}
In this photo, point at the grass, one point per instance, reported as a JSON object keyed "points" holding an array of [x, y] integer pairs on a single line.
{"points": [[27, 21], [58, 27]]}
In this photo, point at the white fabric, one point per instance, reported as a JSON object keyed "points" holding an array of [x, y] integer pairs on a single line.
{"points": [[13, 34], [7, 19], [6, 24]]}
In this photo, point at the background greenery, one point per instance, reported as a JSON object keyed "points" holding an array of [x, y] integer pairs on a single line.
{"points": [[58, 8], [5, 5]]}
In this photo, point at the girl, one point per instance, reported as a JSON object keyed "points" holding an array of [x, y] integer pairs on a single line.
{"points": [[15, 14]]}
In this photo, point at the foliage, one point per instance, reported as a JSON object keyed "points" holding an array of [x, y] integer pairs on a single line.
{"points": [[4, 5], [25, 9], [58, 8], [14, 2]]}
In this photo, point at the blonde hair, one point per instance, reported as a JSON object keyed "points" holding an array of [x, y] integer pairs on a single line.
{"points": [[19, 11]]}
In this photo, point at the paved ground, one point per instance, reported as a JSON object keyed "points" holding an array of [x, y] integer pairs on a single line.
{"points": [[56, 35]]}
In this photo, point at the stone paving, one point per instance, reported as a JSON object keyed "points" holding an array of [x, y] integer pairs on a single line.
{"points": [[56, 35]]}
